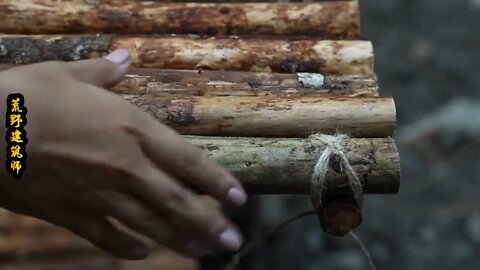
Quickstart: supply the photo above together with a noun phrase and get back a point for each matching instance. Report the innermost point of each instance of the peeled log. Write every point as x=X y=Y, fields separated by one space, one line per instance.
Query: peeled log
x=174 y=82
x=267 y=55
x=165 y=82
x=326 y=20
x=285 y=166
x=272 y=116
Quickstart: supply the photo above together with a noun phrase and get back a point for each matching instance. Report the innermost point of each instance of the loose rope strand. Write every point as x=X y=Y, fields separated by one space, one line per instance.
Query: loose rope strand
x=365 y=252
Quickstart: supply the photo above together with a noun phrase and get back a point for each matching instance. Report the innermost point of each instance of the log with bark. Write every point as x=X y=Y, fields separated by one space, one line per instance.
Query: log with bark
x=275 y=166
x=268 y=55
x=41 y=245
x=326 y=20
x=272 y=116
x=168 y=82
x=174 y=82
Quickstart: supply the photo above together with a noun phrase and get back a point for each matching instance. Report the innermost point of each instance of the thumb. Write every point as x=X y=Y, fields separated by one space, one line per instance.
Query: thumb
x=103 y=72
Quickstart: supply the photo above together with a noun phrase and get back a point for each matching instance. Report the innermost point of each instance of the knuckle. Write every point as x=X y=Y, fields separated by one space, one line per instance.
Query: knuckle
x=126 y=162
x=154 y=227
x=218 y=224
x=210 y=221
x=195 y=160
x=176 y=198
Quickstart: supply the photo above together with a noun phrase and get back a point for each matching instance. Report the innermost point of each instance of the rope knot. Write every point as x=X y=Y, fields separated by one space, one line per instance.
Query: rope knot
x=334 y=153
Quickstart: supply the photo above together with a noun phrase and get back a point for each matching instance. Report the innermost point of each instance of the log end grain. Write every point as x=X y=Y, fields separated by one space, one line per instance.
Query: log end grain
x=339 y=216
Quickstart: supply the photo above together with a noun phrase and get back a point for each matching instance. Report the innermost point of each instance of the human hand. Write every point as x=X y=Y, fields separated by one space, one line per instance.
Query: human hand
x=93 y=155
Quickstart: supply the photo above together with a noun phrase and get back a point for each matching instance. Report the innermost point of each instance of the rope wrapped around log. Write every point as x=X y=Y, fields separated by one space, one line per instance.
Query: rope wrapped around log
x=285 y=166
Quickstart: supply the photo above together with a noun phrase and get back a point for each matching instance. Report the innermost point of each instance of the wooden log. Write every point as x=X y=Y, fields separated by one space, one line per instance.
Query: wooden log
x=270 y=165
x=272 y=116
x=267 y=55
x=326 y=20
x=169 y=82
x=174 y=82
x=232 y=1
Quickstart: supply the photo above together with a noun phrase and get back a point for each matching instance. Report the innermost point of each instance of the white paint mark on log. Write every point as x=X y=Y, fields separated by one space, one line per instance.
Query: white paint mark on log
x=220 y=83
x=311 y=80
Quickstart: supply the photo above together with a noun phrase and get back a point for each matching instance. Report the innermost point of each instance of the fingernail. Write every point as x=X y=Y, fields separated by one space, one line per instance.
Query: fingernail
x=197 y=248
x=119 y=56
x=139 y=252
x=230 y=239
x=236 y=196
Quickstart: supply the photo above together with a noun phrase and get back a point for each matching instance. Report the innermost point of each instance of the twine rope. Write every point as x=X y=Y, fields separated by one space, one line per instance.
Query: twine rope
x=333 y=149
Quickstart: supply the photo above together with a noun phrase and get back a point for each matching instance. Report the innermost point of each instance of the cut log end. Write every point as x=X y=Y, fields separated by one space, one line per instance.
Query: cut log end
x=339 y=216
x=259 y=55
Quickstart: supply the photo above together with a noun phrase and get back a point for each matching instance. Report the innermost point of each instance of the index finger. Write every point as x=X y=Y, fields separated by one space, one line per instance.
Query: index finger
x=178 y=157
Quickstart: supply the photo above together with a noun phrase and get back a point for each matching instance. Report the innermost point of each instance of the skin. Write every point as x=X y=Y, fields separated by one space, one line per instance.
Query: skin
x=94 y=157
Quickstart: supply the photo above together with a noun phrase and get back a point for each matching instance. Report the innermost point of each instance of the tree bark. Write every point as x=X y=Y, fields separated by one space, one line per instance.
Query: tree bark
x=168 y=82
x=275 y=166
x=326 y=20
x=267 y=55
x=271 y=116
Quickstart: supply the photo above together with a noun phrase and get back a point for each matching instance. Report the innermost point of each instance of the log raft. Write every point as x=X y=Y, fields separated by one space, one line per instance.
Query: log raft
x=172 y=52
x=271 y=116
x=334 y=20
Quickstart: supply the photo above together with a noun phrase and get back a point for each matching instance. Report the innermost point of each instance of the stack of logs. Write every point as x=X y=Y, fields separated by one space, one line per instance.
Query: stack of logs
x=246 y=82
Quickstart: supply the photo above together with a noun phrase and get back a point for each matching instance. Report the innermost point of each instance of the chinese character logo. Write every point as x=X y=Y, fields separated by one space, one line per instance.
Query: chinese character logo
x=16 y=136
